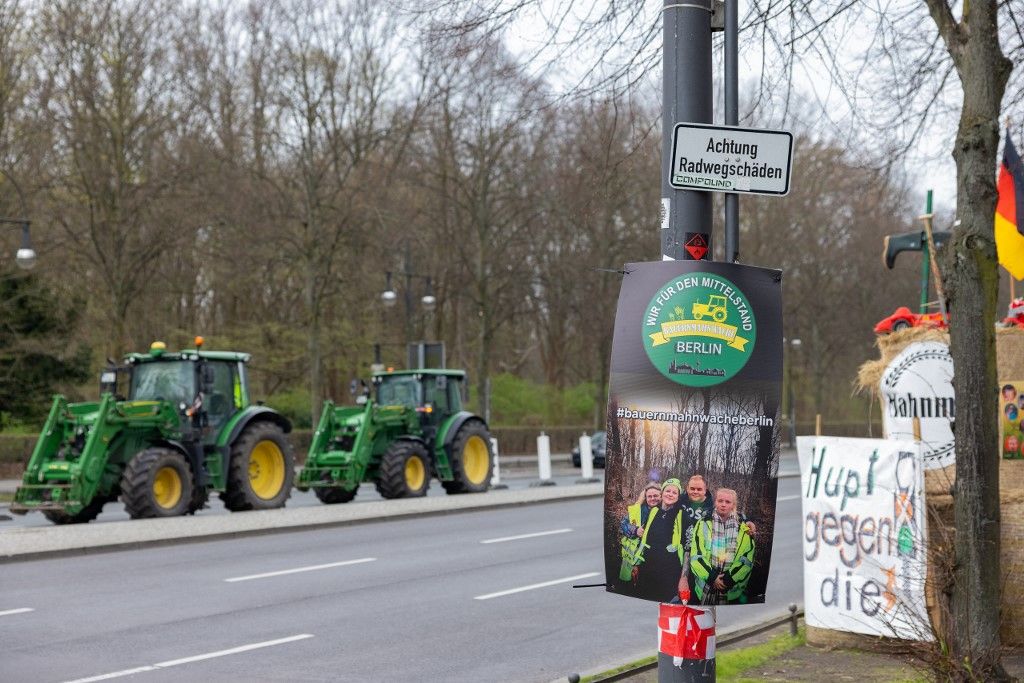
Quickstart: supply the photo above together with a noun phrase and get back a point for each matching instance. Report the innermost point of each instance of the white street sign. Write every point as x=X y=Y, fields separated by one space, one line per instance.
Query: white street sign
x=729 y=159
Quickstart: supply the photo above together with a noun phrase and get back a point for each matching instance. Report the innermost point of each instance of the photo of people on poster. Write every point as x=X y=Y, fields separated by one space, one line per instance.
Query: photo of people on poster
x=693 y=435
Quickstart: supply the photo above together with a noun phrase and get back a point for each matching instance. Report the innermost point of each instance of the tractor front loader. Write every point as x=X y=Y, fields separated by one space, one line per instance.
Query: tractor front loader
x=186 y=428
x=415 y=429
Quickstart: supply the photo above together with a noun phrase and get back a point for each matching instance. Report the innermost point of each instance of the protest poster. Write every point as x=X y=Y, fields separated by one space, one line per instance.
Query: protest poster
x=918 y=383
x=1011 y=419
x=693 y=408
x=865 y=531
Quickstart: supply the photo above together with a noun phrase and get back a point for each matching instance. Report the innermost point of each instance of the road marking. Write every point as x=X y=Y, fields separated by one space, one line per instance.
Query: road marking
x=520 y=536
x=19 y=610
x=298 y=570
x=535 y=585
x=787 y=498
x=197 y=658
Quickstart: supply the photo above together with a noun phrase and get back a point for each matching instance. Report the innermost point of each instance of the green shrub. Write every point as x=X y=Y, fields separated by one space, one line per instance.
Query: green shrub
x=519 y=401
x=293 y=404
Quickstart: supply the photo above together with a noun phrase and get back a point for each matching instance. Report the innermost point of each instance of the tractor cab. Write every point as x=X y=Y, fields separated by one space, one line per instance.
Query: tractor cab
x=434 y=394
x=208 y=386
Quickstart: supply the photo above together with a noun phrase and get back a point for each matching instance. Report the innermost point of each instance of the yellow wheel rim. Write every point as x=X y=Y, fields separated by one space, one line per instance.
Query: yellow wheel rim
x=266 y=469
x=415 y=473
x=167 y=487
x=475 y=460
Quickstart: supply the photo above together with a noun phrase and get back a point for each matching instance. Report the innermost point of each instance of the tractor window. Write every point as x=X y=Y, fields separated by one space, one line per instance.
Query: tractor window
x=454 y=394
x=219 y=404
x=173 y=381
x=436 y=394
x=399 y=390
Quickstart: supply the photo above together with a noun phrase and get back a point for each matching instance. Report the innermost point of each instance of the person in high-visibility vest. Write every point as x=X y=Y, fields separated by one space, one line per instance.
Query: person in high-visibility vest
x=632 y=528
x=722 y=554
x=661 y=575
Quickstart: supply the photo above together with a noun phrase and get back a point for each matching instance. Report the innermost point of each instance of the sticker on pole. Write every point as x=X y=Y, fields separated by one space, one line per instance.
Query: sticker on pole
x=696 y=245
x=729 y=159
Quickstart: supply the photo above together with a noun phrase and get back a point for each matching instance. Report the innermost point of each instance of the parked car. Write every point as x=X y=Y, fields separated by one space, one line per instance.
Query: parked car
x=903 y=318
x=597 y=444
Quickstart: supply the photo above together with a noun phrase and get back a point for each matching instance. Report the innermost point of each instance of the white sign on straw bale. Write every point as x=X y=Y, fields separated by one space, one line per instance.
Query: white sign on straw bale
x=919 y=383
x=865 y=555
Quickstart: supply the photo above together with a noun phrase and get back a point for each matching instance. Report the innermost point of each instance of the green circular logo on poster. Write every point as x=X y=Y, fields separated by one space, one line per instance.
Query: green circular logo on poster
x=699 y=330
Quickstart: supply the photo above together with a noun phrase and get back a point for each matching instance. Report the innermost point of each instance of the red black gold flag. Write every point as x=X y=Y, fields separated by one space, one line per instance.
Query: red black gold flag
x=1010 y=211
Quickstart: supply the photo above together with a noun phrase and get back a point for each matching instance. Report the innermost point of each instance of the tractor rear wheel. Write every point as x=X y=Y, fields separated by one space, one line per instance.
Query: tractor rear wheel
x=157 y=483
x=86 y=514
x=334 y=494
x=404 y=471
x=471 y=460
x=261 y=469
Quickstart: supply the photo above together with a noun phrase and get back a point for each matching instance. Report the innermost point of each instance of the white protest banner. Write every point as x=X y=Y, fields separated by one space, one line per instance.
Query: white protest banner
x=864 y=526
x=919 y=383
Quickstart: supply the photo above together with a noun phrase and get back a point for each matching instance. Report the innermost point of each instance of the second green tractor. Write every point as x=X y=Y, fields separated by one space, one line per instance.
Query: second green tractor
x=413 y=427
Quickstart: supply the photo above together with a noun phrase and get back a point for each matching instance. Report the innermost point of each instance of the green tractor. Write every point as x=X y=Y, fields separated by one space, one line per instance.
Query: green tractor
x=186 y=427
x=414 y=429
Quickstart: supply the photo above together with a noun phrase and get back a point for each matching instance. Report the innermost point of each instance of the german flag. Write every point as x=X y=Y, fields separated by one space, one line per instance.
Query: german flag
x=1010 y=211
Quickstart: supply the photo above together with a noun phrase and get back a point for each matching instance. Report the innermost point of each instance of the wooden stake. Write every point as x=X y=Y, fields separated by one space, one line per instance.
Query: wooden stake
x=917 y=428
x=817 y=424
x=939 y=290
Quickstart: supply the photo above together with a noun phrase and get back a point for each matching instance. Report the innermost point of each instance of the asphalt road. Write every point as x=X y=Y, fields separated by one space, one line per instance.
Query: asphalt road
x=453 y=597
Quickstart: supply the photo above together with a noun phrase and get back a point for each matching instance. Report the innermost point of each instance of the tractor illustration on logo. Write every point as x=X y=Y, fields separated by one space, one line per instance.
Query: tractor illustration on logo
x=715 y=308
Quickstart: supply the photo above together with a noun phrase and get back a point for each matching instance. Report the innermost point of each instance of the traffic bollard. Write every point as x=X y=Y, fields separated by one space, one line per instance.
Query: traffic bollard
x=586 y=461
x=543 y=461
x=496 y=476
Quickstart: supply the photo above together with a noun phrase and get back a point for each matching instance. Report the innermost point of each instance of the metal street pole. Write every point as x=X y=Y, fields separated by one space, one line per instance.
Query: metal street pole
x=686 y=214
x=686 y=79
x=732 y=118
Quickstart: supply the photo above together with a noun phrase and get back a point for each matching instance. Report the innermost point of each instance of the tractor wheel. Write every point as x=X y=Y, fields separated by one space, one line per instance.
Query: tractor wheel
x=334 y=494
x=157 y=483
x=471 y=460
x=404 y=471
x=261 y=470
x=719 y=315
x=86 y=514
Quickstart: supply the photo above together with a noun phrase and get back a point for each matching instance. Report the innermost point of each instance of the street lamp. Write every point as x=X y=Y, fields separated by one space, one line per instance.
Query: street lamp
x=389 y=298
x=26 y=255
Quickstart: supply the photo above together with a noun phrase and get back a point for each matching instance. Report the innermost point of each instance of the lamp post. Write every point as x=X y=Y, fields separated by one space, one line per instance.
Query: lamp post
x=795 y=345
x=25 y=257
x=389 y=298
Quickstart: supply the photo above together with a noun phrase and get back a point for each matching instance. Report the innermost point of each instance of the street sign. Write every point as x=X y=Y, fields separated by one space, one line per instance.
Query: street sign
x=730 y=159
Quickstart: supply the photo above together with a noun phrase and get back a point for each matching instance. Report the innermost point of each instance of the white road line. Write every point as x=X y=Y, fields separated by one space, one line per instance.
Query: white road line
x=533 y=586
x=20 y=610
x=787 y=498
x=520 y=536
x=298 y=570
x=197 y=658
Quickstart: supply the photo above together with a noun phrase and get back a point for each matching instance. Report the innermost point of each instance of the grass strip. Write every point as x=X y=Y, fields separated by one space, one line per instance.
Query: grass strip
x=730 y=664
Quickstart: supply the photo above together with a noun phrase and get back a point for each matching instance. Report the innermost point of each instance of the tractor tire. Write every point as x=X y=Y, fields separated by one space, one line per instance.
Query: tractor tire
x=261 y=469
x=404 y=471
x=718 y=316
x=332 y=495
x=86 y=514
x=158 y=482
x=472 y=464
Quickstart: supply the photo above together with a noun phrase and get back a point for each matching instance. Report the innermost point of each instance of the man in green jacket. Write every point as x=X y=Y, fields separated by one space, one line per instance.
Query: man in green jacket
x=722 y=554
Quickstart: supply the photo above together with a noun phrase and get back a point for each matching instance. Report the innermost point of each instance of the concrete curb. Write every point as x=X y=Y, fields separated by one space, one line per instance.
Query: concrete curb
x=28 y=543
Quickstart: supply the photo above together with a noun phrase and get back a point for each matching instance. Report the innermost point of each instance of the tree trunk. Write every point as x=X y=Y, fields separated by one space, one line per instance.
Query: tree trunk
x=972 y=279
